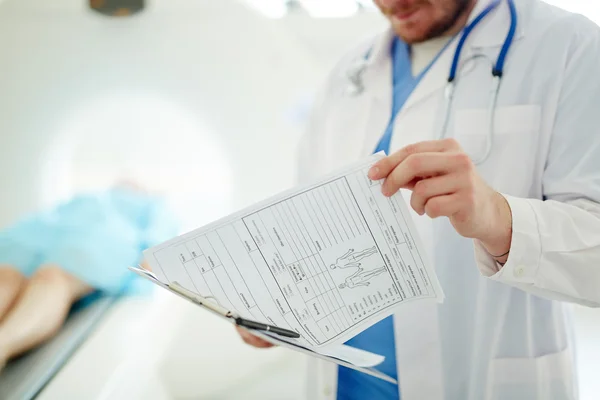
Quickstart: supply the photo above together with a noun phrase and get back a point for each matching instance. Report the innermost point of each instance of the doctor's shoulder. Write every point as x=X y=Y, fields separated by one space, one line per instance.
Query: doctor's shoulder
x=558 y=31
x=352 y=57
x=336 y=78
x=311 y=151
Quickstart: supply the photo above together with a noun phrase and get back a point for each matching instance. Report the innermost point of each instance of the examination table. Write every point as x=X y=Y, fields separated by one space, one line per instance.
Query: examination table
x=109 y=348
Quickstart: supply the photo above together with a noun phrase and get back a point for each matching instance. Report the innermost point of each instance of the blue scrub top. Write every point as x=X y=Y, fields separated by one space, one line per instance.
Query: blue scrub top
x=379 y=338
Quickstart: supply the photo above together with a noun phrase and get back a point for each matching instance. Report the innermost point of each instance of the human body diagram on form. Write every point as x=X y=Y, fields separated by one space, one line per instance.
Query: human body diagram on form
x=361 y=278
x=351 y=259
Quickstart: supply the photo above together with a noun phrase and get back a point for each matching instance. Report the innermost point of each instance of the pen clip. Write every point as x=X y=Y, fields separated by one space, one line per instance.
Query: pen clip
x=147 y=272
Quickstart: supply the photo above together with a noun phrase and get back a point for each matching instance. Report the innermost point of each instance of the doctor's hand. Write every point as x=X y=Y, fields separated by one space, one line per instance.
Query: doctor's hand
x=445 y=183
x=252 y=340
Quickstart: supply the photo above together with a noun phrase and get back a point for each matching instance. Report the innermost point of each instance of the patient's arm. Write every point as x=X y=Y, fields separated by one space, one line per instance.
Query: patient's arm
x=39 y=310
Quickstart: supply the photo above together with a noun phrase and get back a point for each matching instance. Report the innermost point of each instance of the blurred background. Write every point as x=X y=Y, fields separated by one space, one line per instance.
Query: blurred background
x=203 y=101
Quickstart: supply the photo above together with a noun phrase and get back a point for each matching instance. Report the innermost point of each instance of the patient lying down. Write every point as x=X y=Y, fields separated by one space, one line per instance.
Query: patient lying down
x=51 y=260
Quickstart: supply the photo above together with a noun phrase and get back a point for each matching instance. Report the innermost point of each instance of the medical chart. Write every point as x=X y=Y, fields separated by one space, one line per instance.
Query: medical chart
x=326 y=260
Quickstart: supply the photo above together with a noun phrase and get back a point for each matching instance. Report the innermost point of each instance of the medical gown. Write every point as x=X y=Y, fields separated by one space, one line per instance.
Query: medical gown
x=94 y=237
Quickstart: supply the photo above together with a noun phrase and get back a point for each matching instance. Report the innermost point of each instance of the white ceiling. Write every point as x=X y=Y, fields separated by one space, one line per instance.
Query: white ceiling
x=321 y=37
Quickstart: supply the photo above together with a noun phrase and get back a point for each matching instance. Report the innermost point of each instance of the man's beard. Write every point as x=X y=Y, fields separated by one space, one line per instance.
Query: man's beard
x=443 y=26
x=440 y=27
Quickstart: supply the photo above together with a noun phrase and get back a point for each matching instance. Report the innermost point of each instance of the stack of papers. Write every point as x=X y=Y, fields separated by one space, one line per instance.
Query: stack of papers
x=326 y=260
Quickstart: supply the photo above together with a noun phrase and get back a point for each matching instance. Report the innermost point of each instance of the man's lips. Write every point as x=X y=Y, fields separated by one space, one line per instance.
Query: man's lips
x=404 y=15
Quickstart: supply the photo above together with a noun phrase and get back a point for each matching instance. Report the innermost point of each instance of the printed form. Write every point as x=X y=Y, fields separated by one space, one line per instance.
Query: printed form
x=327 y=260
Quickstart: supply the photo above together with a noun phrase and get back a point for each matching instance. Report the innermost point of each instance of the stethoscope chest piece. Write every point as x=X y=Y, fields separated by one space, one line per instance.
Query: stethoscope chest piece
x=355 y=77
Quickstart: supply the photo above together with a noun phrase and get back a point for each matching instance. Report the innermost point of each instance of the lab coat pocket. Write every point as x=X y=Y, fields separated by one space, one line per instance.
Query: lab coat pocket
x=508 y=155
x=548 y=377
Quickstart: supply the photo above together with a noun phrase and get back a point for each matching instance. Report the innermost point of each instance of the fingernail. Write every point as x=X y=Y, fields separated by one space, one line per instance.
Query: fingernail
x=373 y=172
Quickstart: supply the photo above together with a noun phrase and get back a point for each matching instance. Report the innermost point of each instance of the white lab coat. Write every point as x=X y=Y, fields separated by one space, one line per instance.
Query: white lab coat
x=498 y=335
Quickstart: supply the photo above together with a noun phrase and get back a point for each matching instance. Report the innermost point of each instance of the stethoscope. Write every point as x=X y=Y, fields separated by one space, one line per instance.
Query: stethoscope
x=356 y=86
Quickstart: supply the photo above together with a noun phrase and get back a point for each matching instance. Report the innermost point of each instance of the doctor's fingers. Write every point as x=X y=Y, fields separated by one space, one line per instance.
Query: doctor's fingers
x=426 y=189
x=383 y=167
x=444 y=206
x=252 y=340
x=423 y=165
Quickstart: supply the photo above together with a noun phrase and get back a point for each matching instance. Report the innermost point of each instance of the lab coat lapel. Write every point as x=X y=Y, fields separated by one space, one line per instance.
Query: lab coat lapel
x=434 y=80
x=377 y=106
x=360 y=122
x=354 y=120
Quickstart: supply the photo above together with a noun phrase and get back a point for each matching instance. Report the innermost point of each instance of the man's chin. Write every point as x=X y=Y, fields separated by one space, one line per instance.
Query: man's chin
x=411 y=38
x=410 y=34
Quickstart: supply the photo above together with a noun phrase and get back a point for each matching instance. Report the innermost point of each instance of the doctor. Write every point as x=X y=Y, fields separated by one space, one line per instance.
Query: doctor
x=490 y=113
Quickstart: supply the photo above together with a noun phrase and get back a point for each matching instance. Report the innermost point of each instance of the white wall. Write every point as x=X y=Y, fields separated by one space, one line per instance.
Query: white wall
x=235 y=73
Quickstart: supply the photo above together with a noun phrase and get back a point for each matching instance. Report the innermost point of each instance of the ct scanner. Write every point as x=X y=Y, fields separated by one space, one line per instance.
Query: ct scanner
x=120 y=342
x=107 y=337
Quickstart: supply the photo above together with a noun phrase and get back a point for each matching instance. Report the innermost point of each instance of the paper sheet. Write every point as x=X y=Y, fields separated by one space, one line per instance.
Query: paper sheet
x=351 y=357
x=344 y=355
x=326 y=260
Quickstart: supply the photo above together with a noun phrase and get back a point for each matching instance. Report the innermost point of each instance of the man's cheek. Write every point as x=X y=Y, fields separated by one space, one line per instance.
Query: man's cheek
x=385 y=6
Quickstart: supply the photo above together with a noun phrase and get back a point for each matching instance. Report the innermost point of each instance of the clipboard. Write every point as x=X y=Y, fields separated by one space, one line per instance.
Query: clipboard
x=216 y=308
x=269 y=336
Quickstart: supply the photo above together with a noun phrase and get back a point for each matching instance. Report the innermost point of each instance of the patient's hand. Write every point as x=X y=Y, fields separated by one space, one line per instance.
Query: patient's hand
x=252 y=340
x=144 y=264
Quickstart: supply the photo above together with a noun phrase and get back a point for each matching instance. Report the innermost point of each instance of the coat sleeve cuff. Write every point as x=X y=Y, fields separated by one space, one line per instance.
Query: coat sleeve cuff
x=523 y=261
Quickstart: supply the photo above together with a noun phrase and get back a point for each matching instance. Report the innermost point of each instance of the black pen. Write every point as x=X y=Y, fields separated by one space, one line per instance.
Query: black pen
x=245 y=323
